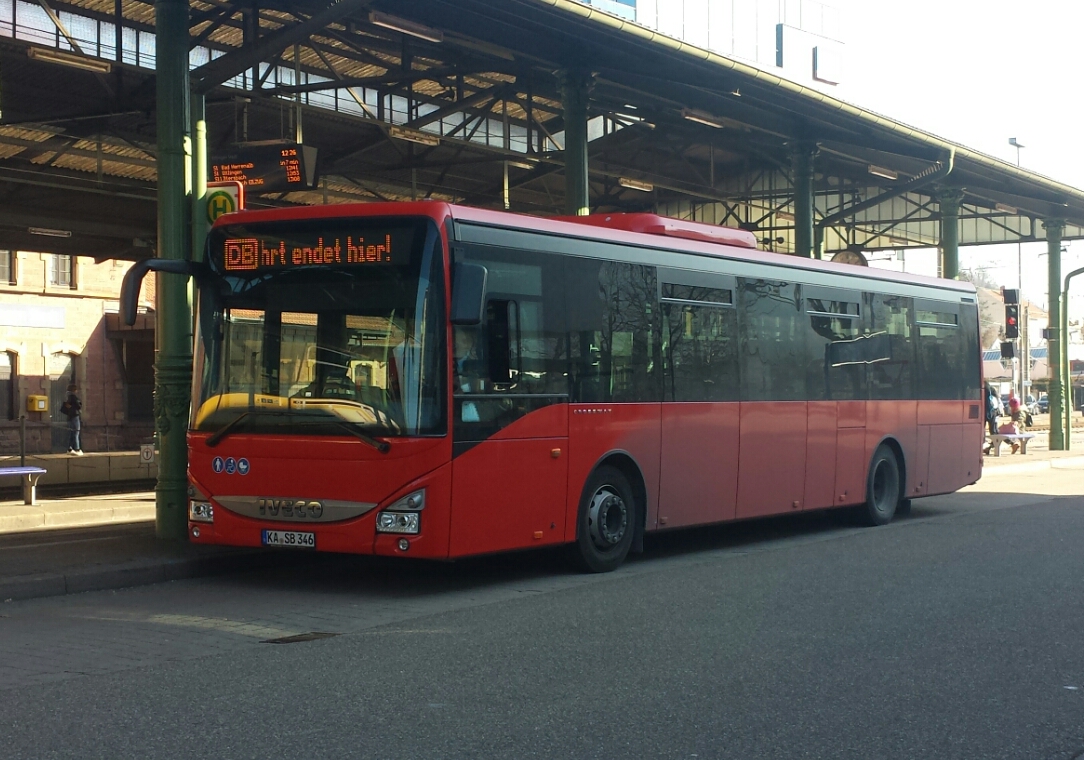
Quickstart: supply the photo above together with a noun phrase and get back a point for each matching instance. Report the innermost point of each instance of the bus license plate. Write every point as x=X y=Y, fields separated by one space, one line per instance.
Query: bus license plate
x=289 y=539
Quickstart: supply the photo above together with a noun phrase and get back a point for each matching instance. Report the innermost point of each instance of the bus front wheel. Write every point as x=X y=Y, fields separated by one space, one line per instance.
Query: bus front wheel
x=882 y=488
x=606 y=522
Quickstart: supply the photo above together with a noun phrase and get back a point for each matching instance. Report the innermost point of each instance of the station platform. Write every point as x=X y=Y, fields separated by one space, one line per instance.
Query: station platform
x=88 y=543
x=68 y=474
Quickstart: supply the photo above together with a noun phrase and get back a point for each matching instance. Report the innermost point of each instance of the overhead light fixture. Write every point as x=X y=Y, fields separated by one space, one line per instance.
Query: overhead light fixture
x=481 y=47
x=412 y=28
x=880 y=171
x=1005 y=208
x=635 y=184
x=413 y=135
x=521 y=164
x=702 y=117
x=784 y=216
x=634 y=120
x=48 y=232
x=74 y=60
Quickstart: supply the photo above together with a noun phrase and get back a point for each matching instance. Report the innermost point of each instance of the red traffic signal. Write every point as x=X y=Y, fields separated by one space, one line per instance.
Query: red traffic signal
x=1012 y=321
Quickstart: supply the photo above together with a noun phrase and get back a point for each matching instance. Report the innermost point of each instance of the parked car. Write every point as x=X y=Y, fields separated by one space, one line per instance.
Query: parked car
x=1043 y=405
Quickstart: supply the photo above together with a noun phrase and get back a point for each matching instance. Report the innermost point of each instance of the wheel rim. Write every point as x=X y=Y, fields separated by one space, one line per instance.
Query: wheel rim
x=884 y=486
x=607 y=518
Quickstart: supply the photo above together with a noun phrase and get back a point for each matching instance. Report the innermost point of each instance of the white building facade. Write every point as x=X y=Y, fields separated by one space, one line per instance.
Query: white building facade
x=797 y=39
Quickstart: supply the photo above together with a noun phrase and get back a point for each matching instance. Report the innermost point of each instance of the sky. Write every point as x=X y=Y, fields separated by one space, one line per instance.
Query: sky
x=978 y=72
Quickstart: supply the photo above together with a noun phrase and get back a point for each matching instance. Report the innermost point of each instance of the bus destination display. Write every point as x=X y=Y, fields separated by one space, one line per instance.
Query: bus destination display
x=268 y=167
x=240 y=254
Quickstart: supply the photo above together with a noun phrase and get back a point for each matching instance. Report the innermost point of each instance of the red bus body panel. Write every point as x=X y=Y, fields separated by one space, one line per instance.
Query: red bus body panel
x=595 y=430
x=329 y=468
x=508 y=491
x=700 y=454
x=771 y=474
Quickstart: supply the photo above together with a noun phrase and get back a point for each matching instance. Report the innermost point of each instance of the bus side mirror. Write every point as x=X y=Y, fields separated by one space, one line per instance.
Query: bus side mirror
x=133 y=280
x=468 y=293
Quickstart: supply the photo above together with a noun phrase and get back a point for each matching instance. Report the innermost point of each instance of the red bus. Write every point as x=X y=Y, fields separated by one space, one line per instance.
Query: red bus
x=428 y=380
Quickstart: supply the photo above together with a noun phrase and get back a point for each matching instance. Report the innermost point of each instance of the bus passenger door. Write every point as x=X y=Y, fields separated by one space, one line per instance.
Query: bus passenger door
x=774 y=415
x=510 y=411
x=700 y=449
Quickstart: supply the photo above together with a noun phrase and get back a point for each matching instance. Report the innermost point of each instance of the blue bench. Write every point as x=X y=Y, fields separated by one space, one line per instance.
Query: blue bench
x=30 y=477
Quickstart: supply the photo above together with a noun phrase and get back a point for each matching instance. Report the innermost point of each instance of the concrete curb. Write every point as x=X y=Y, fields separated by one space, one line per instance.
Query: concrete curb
x=1061 y=463
x=24 y=518
x=135 y=573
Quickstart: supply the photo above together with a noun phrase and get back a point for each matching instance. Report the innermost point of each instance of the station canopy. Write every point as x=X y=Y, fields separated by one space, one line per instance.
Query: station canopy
x=461 y=100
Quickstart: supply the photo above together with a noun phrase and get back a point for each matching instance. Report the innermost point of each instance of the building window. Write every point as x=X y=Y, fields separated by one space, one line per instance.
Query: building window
x=8 y=385
x=61 y=270
x=7 y=267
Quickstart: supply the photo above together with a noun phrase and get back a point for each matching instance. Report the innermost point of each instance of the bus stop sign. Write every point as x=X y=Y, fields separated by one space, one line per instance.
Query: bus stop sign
x=224 y=198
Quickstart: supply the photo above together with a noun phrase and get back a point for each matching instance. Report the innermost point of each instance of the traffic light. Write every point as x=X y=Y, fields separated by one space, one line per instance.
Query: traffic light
x=1012 y=320
x=1011 y=295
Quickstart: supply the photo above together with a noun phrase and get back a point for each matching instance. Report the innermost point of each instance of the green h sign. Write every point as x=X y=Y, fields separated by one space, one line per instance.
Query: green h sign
x=220 y=202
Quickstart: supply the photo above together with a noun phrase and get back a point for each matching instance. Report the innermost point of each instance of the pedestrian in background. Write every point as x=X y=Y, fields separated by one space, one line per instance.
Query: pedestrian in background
x=1018 y=417
x=993 y=411
x=72 y=408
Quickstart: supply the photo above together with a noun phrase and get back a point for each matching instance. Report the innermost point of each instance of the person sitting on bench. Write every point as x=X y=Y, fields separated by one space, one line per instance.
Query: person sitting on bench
x=1018 y=423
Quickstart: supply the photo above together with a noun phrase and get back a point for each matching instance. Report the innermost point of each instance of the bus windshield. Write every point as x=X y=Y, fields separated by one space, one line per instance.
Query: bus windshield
x=322 y=327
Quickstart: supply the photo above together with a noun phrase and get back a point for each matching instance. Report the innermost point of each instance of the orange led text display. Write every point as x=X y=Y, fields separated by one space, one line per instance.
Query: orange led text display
x=249 y=253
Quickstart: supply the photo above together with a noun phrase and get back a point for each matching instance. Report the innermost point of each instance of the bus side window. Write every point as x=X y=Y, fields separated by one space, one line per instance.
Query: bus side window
x=892 y=367
x=774 y=344
x=615 y=344
x=521 y=343
x=502 y=341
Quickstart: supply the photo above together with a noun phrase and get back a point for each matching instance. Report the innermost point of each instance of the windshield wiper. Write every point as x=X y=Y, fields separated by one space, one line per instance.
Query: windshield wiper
x=223 y=431
x=382 y=446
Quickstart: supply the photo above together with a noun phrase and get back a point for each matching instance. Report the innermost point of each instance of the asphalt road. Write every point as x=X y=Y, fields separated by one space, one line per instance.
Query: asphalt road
x=957 y=632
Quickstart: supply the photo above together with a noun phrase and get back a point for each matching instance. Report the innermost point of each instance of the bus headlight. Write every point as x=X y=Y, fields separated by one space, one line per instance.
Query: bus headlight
x=398 y=522
x=403 y=516
x=201 y=511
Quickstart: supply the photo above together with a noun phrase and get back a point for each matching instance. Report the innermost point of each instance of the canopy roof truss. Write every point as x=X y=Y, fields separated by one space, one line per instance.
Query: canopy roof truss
x=483 y=88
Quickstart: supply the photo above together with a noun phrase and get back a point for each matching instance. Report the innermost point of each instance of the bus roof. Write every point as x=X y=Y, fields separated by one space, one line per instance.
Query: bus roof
x=653 y=224
x=618 y=233
x=639 y=229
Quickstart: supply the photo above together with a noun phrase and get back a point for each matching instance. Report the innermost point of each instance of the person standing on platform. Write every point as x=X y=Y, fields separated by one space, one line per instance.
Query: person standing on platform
x=72 y=408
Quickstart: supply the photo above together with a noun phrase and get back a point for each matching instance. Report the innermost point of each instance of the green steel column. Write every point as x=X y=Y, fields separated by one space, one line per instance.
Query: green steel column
x=802 y=158
x=575 y=88
x=173 y=366
x=949 y=200
x=1066 y=367
x=1054 y=228
x=200 y=222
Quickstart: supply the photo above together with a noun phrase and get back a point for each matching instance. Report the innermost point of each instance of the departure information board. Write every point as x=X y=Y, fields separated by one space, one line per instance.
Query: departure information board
x=267 y=167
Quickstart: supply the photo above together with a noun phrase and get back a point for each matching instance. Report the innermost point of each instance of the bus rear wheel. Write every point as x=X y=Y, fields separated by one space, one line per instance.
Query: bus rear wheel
x=606 y=522
x=882 y=488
